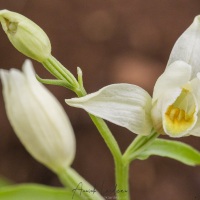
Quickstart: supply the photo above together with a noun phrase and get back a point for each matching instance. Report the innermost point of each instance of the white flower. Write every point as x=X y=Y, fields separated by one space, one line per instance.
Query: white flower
x=174 y=107
x=26 y=36
x=38 y=119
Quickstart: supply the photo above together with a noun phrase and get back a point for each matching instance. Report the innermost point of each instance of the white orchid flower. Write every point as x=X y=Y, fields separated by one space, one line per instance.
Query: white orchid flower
x=174 y=107
x=37 y=118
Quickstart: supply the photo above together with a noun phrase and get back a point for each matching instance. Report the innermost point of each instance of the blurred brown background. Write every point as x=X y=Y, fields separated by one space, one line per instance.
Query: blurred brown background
x=112 y=41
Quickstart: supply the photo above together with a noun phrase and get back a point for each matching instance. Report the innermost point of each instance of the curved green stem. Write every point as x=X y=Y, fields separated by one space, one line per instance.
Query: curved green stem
x=121 y=169
x=107 y=136
x=139 y=145
x=79 y=186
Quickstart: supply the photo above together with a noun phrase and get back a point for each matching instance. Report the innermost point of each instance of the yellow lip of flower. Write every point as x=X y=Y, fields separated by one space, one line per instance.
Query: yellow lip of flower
x=181 y=115
x=177 y=120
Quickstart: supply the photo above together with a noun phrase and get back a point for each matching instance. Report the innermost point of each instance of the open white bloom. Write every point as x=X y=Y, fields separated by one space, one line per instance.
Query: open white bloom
x=37 y=118
x=174 y=107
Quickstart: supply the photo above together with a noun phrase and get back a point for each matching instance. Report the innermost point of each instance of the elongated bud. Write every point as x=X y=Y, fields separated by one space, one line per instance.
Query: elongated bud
x=26 y=36
x=38 y=119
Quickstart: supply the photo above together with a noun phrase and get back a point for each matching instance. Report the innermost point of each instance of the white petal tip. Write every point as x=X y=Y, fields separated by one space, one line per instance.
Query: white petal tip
x=3 y=12
x=197 y=19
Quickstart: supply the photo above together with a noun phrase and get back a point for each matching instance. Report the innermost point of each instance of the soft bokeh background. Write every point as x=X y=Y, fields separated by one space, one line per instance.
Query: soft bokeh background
x=112 y=41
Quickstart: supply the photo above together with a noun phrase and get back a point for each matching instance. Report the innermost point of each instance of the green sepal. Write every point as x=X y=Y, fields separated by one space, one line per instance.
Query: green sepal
x=35 y=192
x=172 y=149
x=56 y=82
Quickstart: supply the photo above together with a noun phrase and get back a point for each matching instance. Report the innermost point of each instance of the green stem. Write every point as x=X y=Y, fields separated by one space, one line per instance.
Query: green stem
x=69 y=76
x=79 y=186
x=107 y=136
x=122 y=180
x=49 y=67
x=60 y=72
x=139 y=145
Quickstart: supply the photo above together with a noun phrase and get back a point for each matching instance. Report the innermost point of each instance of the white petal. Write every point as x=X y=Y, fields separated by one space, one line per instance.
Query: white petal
x=175 y=75
x=46 y=99
x=196 y=130
x=123 y=104
x=187 y=47
x=195 y=84
x=6 y=82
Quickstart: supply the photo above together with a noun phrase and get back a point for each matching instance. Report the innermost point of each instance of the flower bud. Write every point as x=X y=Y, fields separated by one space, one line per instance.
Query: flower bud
x=26 y=36
x=38 y=119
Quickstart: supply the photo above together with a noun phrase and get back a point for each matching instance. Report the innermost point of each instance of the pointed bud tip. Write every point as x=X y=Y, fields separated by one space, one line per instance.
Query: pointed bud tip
x=79 y=71
x=4 y=11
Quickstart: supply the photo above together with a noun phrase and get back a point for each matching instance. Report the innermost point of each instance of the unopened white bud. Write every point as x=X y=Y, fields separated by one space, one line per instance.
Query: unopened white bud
x=38 y=119
x=26 y=36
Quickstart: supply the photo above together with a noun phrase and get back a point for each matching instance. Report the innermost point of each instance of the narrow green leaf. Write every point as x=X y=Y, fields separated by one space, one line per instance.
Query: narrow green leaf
x=35 y=192
x=172 y=149
x=56 y=82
